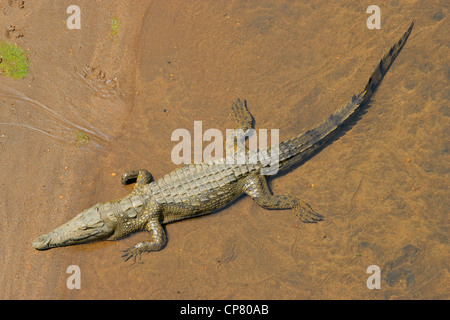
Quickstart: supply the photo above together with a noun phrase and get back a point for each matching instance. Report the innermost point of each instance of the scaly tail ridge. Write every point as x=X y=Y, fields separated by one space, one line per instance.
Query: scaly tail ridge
x=384 y=65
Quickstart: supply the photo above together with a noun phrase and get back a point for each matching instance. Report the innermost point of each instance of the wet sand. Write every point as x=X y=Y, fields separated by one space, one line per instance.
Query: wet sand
x=382 y=187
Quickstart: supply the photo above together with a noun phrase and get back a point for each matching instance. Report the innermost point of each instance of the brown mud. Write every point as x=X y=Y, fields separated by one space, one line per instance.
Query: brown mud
x=382 y=187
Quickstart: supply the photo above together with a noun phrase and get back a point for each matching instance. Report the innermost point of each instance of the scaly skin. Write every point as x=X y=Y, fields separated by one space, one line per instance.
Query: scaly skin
x=198 y=189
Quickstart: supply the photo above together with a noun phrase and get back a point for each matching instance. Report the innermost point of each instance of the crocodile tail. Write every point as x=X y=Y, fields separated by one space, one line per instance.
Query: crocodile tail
x=384 y=65
x=295 y=150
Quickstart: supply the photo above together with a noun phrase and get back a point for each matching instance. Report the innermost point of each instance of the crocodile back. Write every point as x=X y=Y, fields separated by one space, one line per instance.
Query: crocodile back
x=201 y=187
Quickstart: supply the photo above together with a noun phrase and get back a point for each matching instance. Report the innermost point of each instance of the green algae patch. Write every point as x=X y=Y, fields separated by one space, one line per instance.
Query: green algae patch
x=114 y=28
x=13 y=61
x=82 y=138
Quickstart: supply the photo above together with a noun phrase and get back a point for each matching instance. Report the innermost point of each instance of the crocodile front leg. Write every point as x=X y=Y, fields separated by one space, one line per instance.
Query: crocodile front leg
x=142 y=177
x=242 y=117
x=158 y=242
x=256 y=187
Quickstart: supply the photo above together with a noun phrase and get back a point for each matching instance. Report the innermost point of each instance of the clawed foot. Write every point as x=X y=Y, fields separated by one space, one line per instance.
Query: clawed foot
x=243 y=117
x=141 y=177
x=132 y=252
x=306 y=214
x=129 y=177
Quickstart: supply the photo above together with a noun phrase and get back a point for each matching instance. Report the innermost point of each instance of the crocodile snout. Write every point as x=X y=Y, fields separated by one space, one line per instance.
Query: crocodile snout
x=41 y=243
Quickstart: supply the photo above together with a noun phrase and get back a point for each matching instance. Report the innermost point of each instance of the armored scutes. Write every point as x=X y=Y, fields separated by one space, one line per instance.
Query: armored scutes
x=198 y=189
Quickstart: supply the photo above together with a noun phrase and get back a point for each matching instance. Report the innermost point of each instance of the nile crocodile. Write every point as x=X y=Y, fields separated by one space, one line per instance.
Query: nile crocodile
x=202 y=188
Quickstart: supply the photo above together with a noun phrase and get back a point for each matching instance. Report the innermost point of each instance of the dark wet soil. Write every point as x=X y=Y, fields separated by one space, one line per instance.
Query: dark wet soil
x=383 y=186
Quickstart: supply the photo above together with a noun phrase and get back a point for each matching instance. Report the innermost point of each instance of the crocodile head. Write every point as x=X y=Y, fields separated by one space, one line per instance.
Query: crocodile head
x=89 y=226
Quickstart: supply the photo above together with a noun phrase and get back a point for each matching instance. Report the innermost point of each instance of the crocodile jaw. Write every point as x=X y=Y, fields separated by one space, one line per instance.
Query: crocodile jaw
x=88 y=226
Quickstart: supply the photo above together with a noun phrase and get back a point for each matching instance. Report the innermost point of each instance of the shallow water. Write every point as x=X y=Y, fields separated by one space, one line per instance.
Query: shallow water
x=382 y=187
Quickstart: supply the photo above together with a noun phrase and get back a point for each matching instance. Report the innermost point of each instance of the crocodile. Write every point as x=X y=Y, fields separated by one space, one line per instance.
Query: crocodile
x=201 y=188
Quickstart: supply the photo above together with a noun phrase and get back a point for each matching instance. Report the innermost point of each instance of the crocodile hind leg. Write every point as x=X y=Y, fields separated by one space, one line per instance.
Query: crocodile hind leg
x=244 y=122
x=141 y=177
x=158 y=242
x=256 y=187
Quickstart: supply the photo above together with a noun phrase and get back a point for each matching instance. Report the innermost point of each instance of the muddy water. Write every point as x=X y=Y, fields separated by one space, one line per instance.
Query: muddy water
x=383 y=186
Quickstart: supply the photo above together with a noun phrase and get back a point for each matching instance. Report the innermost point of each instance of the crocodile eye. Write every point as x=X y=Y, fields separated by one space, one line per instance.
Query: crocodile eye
x=83 y=227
